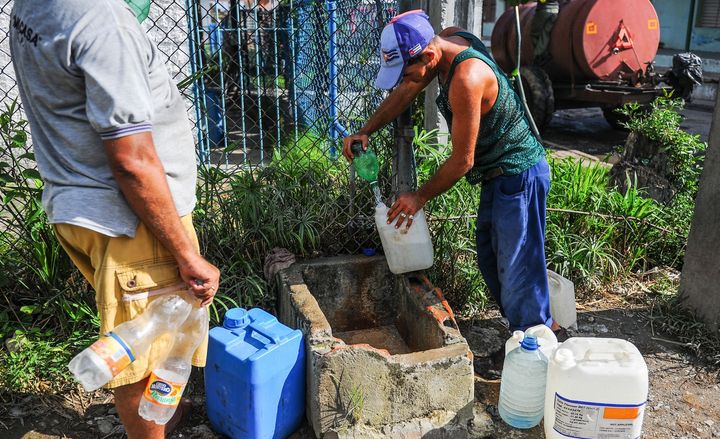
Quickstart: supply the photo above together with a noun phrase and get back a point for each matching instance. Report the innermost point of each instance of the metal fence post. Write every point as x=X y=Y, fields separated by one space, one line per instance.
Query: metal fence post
x=405 y=177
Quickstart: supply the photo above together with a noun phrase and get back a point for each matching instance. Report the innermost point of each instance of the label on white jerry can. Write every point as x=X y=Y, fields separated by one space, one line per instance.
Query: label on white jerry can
x=593 y=420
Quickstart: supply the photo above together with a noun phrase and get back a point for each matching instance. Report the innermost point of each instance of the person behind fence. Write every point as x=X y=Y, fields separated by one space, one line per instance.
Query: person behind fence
x=492 y=146
x=116 y=155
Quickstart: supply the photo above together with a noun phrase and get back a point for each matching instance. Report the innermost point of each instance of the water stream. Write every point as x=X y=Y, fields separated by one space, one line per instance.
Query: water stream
x=376 y=191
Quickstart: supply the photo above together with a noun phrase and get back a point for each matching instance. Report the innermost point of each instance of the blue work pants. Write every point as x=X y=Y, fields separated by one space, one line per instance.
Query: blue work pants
x=510 y=239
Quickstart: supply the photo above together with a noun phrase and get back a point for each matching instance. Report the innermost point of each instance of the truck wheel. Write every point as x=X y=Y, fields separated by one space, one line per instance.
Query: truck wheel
x=616 y=120
x=539 y=95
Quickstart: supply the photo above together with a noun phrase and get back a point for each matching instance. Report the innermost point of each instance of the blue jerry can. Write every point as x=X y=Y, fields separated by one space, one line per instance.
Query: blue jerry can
x=255 y=376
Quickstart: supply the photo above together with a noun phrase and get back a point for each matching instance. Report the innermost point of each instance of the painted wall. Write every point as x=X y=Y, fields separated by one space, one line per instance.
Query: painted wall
x=673 y=15
x=705 y=39
x=488 y=27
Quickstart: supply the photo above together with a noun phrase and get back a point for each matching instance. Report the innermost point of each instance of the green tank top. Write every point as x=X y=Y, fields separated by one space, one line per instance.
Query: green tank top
x=505 y=139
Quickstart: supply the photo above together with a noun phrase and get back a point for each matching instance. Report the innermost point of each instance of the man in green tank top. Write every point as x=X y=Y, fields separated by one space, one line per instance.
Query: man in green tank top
x=492 y=145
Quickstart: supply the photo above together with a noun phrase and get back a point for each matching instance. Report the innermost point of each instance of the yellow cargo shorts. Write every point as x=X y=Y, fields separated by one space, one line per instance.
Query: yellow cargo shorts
x=127 y=274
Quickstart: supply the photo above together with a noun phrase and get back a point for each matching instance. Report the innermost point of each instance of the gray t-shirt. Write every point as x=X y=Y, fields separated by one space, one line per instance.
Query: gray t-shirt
x=87 y=72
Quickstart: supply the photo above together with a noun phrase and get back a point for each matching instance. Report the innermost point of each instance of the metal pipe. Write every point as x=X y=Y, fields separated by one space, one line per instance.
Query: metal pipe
x=518 y=77
x=292 y=40
x=277 y=78
x=691 y=22
x=405 y=175
x=202 y=121
x=241 y=76
x=192 y=41
x=332 y=70
x=259 y=79
x=221 y=66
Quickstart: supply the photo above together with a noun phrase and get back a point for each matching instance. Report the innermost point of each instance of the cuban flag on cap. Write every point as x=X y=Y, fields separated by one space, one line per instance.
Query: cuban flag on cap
x=403 y=38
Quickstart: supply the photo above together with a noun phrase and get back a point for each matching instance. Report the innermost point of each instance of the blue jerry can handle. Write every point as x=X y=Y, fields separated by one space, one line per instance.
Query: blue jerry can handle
x=271 y=335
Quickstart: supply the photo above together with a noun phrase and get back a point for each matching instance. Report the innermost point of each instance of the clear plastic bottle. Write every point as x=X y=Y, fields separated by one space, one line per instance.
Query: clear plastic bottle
x=112 y=353
x=522 y=388
x=167 y=382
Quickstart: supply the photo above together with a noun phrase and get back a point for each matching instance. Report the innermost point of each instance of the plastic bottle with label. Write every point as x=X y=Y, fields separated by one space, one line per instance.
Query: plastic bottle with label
x=522 y=387
x=596 y=388
x=112 y=353
x=167 y=382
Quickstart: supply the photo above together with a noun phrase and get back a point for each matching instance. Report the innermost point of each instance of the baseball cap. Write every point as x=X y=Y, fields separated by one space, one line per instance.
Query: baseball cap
x=402 y=39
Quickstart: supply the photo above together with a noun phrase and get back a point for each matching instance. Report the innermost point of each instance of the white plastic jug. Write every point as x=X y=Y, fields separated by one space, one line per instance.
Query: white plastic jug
x=596 y=388
x=562 y=300
x=406 y=249
x=545 y=338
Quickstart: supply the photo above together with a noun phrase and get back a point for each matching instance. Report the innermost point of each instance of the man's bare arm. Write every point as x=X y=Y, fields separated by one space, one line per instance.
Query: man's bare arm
x=388 y=110
x=141 y=178
x=393 y=105
x=466 y=94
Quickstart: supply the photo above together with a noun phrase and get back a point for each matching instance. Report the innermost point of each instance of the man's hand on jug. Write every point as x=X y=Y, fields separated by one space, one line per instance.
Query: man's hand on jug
x=404 y=208
x=348 y=141
x=202 y=277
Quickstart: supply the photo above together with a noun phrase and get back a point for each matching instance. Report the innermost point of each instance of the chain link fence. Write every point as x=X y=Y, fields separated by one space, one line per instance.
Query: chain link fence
x=277 y=85
x=272 y=87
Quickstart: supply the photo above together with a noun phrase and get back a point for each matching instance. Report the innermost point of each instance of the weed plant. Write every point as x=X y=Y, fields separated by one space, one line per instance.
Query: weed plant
x=661 y=125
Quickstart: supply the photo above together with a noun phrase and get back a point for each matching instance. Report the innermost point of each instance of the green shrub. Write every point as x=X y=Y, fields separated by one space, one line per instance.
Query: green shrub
x=661 y=125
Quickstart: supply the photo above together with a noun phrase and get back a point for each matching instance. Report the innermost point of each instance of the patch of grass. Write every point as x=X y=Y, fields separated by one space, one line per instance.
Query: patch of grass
x=36 y=361
x=667 y=315
x=45 y=301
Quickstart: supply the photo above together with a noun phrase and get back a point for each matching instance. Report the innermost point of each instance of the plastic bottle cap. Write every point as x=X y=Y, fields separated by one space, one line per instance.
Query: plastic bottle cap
x=529 y=343
x=356 y=148
x=368 y=251
x=236 y=318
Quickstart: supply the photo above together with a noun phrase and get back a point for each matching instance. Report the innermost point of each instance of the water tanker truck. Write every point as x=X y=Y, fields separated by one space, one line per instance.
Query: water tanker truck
x=600 y=54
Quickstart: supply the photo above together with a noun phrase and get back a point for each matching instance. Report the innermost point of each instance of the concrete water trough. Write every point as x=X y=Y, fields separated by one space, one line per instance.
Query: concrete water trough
x=385 y=357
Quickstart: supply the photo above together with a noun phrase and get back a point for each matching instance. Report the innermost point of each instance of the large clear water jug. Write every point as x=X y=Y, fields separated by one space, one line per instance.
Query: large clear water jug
x=522 y=386
x=605 y=381
x=406 y=249
x=255 y=376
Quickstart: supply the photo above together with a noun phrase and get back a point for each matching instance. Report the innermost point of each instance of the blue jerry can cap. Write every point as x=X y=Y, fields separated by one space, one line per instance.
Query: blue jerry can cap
x=236 y=318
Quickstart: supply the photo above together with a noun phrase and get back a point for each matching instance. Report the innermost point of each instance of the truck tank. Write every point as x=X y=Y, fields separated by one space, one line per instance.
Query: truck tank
x=607 y=40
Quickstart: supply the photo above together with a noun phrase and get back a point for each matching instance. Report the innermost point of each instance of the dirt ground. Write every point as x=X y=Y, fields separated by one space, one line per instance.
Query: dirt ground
x=684 y=393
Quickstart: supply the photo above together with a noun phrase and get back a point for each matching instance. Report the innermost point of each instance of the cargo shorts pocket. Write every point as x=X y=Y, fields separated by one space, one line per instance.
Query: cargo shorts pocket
x=141 y=284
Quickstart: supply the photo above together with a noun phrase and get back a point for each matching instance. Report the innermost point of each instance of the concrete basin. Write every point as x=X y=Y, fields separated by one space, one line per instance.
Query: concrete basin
x=385 y=357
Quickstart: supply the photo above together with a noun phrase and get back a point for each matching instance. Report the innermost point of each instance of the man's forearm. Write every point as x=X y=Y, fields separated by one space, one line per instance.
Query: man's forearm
x=390 y=108
x=446 y=176
x=142 y=181
x=148 y=195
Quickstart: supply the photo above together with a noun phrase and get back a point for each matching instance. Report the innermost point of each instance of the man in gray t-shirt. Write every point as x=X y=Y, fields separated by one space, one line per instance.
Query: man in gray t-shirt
x=116 y=155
